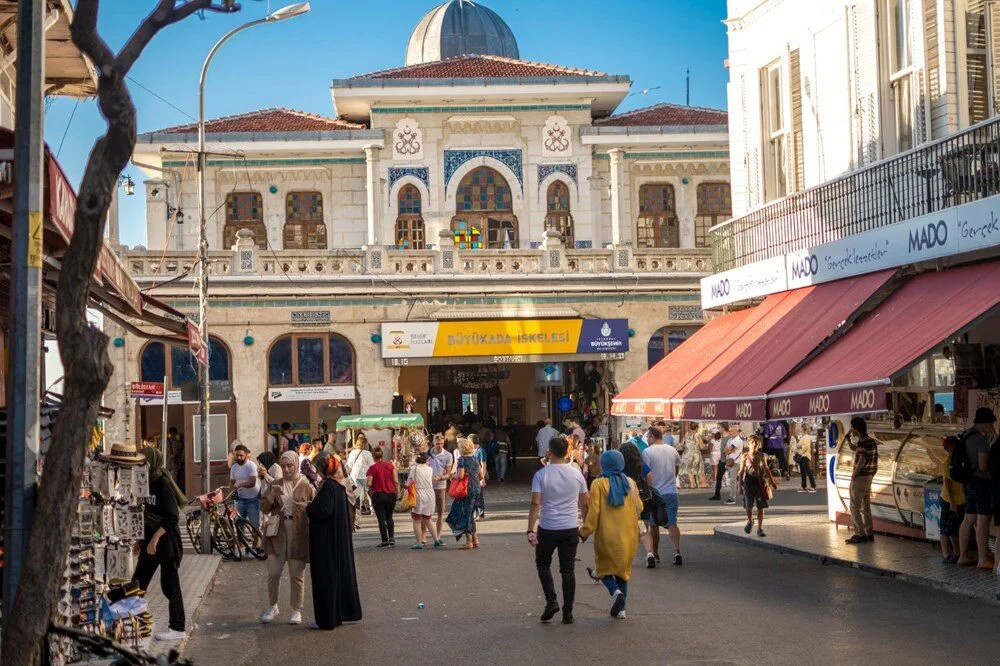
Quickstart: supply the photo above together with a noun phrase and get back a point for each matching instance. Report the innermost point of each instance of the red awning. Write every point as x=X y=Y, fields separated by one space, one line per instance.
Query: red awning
x=786 y=328
x=852 y=374
x=650 y=394
x=725 y=370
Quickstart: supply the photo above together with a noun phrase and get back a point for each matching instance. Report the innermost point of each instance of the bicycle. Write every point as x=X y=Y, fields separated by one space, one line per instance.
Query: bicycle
x=86 y=647
x=232 y=535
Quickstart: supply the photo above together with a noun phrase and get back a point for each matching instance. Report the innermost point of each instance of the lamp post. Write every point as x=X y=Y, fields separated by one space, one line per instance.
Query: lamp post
x=203 y=378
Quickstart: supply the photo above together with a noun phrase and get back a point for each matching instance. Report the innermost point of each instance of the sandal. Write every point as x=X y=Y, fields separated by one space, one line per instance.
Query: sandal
x=467 y=546
x=475 y=542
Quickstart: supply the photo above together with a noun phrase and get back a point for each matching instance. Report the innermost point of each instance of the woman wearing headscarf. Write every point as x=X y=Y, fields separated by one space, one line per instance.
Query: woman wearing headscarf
x=331 y=551
x=268 y=470
x=286 y=535
x=161 y=547
x=613 y=519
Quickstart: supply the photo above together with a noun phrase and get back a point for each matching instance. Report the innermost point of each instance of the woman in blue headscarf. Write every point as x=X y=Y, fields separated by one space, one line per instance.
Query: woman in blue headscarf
x=613 y=519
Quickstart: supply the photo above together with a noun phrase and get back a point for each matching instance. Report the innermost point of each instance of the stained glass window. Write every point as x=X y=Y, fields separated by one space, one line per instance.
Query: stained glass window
x=341 y=360
x=657 y=224
x=183 y=366
x=484 y=201
x=409 y=223
x=715 y=206
x=558 y=216
x=244 y=210
x=153 y=363
x=279 y=363
x=310 y=360
x=304 y=227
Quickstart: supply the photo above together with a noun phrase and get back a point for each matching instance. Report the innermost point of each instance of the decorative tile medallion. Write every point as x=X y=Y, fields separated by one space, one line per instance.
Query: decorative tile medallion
x=454 y=159
x=420 y=173
x=546 y=170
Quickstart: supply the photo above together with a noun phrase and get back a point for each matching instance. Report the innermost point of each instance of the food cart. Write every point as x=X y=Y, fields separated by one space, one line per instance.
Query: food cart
x=393 y=433
x=906 y=492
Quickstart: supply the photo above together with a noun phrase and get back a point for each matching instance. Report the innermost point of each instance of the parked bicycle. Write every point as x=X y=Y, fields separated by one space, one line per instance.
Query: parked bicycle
x=87 y=647
x=233 y=536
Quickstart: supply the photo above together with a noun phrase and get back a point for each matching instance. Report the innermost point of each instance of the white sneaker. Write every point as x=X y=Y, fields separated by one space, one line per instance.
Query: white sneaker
x=269 y=615
x=621 y=615
x=171 y=635
x=296 y=618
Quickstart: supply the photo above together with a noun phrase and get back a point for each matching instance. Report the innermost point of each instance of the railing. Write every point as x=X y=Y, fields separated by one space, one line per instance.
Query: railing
x=961 y=168
x=173 y=264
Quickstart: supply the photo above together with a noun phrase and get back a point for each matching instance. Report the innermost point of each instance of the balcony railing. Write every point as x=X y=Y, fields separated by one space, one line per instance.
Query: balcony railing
x=960 y=168
x=317 y=264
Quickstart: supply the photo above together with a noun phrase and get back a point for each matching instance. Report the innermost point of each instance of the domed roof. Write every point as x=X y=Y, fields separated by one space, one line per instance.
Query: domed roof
x=457 y=28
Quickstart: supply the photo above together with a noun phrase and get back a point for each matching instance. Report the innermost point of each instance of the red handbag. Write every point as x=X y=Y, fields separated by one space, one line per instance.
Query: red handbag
x=459 y=488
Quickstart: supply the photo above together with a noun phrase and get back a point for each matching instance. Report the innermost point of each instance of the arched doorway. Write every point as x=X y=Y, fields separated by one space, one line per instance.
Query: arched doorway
x=175 y=365
x=311 y=381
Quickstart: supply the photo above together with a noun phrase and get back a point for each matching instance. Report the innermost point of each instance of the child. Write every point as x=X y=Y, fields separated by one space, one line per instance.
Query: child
x=952 y=507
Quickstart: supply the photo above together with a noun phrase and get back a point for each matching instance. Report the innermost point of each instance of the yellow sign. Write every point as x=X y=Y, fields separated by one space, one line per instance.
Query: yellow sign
x=511 y=336
x=35 y=227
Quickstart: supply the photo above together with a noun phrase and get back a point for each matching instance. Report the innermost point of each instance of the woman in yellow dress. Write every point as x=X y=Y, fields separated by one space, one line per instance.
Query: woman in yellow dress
x=613 y=517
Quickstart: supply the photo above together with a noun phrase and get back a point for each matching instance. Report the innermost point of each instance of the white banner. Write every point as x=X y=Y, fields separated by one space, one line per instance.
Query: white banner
x=965 y=228
x=305 y=393
x=757 y=279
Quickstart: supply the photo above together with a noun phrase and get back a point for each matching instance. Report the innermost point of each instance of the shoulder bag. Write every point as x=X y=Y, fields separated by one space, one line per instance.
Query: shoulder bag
x=459 y=488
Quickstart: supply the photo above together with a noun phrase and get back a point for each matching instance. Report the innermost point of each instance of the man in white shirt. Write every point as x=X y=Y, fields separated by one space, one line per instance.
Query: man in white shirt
x=558 y=493
x=660 y=464
x=733 y=451
x=440 y=460
x=243 y=477
x=544 y=436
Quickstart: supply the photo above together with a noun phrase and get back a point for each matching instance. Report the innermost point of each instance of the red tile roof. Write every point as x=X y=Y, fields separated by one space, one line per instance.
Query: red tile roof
x=666 y=114
x=267 y=120
x=477 y=66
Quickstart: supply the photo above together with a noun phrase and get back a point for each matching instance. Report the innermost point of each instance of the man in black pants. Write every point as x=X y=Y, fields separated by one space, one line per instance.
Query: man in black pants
x=557 y=492
x=720 y=440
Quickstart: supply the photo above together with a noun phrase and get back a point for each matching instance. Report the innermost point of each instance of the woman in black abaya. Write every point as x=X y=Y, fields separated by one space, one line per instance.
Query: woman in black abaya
x=331 y=551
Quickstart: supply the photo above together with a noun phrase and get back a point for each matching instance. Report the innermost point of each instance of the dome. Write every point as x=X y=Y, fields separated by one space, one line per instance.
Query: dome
x=457 y=28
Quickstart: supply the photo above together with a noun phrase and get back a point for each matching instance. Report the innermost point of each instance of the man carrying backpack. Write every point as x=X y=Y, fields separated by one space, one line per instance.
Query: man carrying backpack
x=970 y=465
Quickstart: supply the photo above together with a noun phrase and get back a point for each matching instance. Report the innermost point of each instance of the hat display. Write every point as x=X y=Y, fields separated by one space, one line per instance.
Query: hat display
x=984 y=415
x=124 y=453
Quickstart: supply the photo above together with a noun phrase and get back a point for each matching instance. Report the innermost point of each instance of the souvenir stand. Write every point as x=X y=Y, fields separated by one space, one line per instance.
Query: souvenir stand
x=96 y=594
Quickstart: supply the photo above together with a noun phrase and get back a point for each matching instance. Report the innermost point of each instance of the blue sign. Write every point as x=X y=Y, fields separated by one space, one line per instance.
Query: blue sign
x=564 y=404
x=603 y=336
x=550 y=369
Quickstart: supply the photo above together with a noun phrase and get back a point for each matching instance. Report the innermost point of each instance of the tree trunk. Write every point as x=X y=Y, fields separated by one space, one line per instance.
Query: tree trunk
x=82 y=348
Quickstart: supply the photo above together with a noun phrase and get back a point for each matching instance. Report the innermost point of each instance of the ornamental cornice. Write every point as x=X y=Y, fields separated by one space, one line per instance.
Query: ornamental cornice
x=481 y=124
x=264 y=176
x=680 y=168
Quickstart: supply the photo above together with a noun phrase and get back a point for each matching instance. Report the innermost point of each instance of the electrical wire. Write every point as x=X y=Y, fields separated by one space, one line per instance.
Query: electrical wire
x=66 y=131
x=165 y=101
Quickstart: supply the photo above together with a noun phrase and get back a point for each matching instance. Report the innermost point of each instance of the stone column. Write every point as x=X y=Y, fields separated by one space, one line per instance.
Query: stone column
x=446 y=258
x=156 y=213
x=374 y=200
x=617 y=183
x=553 y=252
x=244 y=254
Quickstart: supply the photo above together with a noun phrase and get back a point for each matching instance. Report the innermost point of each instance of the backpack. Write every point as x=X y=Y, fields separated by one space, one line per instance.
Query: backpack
x=960 y=467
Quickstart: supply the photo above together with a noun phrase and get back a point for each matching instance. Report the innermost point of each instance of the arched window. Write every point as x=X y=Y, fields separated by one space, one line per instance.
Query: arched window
x=484 y=214
x=244 y=210
x=310 y=359
x=182 y=367
x=715 y=205
x=410 y=220
x=657 y=225
x=558 y=216
x=304 y=227
x=664 y=341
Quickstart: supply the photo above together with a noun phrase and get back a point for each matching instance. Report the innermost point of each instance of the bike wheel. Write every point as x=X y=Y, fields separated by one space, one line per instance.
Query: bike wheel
x=250 y=538
x=223 y=541
x=193 y=526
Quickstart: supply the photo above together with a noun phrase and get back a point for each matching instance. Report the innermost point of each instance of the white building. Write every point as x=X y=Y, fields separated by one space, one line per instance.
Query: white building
x=464 y=196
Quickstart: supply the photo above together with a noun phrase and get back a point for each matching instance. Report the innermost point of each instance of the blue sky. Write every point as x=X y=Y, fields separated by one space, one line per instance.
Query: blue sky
x=291 y=63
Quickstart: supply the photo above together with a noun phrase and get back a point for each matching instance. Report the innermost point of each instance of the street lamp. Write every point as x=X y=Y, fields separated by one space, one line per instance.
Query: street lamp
x=203 y=395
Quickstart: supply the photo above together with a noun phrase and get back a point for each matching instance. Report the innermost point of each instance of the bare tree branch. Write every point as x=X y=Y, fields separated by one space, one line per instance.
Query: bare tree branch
x=84 y=33
x=166 y=13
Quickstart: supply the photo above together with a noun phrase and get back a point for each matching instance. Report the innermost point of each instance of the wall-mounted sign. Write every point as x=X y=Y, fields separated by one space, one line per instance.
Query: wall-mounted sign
x=305 y=393
x=504 y=337
x=758 y=279
x=146 y=389
x=311 y=317
x=965 y=228
x=685 y=313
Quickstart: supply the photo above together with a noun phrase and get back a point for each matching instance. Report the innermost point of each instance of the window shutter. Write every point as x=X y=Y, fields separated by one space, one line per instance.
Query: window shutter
x=993 y=54
x=864 y=44
x=797 y=172
x=918 y=83
x=976 y=61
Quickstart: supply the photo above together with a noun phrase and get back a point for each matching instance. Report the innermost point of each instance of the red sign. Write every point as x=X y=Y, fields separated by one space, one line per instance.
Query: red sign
x=60 y=204
x=146 y=389
x=195 y=343
x=118 y=278
x=859 y=400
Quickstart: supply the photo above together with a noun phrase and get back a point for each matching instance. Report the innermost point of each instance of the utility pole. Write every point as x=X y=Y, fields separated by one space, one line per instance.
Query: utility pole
x=23 y=399
x=687 y=87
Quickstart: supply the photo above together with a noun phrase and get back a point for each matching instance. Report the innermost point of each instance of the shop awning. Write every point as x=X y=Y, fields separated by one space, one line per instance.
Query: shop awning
x=852 y=374
x=381 y=421
x=725 y=370
x=784 y=330
x=650 y=394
